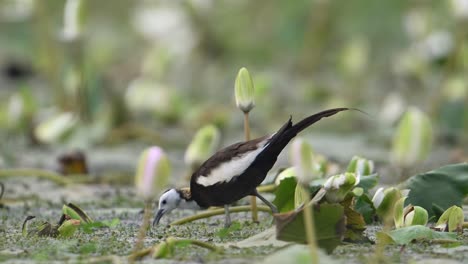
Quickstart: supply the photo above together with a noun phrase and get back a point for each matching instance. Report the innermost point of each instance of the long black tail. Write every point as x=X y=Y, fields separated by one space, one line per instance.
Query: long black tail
x=288 y=131
x=306 y=122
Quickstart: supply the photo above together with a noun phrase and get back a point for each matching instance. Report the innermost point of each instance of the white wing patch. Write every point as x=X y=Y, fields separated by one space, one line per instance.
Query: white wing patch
x=232 y=168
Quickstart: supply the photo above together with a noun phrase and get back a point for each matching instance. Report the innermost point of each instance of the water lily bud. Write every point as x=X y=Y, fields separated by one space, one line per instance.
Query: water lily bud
x=286 y=173
x=161 y=250
x=244 y=91
x=361 y=166
x=451 y=220
x=415 y=215
x=55 y=128
x=152 y=173
x=301 y=158
x=203 y=145
x=384 y=201
x=339 y=185
x=413 y=138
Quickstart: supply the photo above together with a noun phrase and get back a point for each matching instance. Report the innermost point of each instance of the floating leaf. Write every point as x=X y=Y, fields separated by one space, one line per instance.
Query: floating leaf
x=440 y=188
x=365 y=207
x=329 y=222
x=68 y=228
x=368 y=182
x=406 y=235
x=75 y=212
x=355 y=223
x=415 y=215
x=284 y=194
x=286 y=173
x=451 y=220
x=413 y=139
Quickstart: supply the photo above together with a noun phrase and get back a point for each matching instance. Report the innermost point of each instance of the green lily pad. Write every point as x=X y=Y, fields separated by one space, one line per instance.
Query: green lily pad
x=440 y=188
x=284 y=194
x=329 y=222
x=406 y=235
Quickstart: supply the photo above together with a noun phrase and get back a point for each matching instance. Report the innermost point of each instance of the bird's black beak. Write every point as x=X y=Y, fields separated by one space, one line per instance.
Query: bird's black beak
x=158 y=216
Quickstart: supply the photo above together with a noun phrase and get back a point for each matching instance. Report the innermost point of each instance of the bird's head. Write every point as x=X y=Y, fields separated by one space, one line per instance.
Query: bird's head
x=172 y=199
x=168 y=201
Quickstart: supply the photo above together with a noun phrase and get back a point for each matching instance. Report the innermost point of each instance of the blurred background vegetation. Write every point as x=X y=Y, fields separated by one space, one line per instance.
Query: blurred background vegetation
x=82 y=74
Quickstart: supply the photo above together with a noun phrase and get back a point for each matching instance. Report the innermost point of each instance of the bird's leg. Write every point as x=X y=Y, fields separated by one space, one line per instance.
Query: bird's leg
x=272 y=206
x=227 y=219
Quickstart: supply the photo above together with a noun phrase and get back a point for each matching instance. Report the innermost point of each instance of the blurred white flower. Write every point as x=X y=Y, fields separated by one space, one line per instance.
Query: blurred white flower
x=415 y=23
x=16 y=10
x=391 y=108
x=71 y=20
x=460 y=8
x=167 y=26
x=435 y=46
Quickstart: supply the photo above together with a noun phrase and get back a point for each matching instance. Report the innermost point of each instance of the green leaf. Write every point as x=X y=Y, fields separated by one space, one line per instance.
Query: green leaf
x=355 y=223
x=296 y=254
x=329 y=222
x=224 y=232
x=366 y=208
x=451 y=220
x=440 y=188
x=369 y=181
x=406 y=235
x=300 y=195
x=75 y=212
x=284 y=194
x=398 y=216
x=89 y=227
x=68 y=228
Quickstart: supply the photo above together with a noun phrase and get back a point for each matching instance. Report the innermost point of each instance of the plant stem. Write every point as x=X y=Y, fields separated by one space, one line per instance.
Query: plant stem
x=266 y=188
x=142 y=232
x=253 y=199
x=196 y=243
x=45 y=174
x=210 y=213
x=310 y=228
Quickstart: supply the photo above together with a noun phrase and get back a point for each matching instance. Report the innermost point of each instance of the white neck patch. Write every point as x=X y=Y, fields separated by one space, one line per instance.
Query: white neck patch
x=230 y=169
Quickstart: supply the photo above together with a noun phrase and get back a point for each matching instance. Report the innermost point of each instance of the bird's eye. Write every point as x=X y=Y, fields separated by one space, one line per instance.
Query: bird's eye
x=164 y=202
